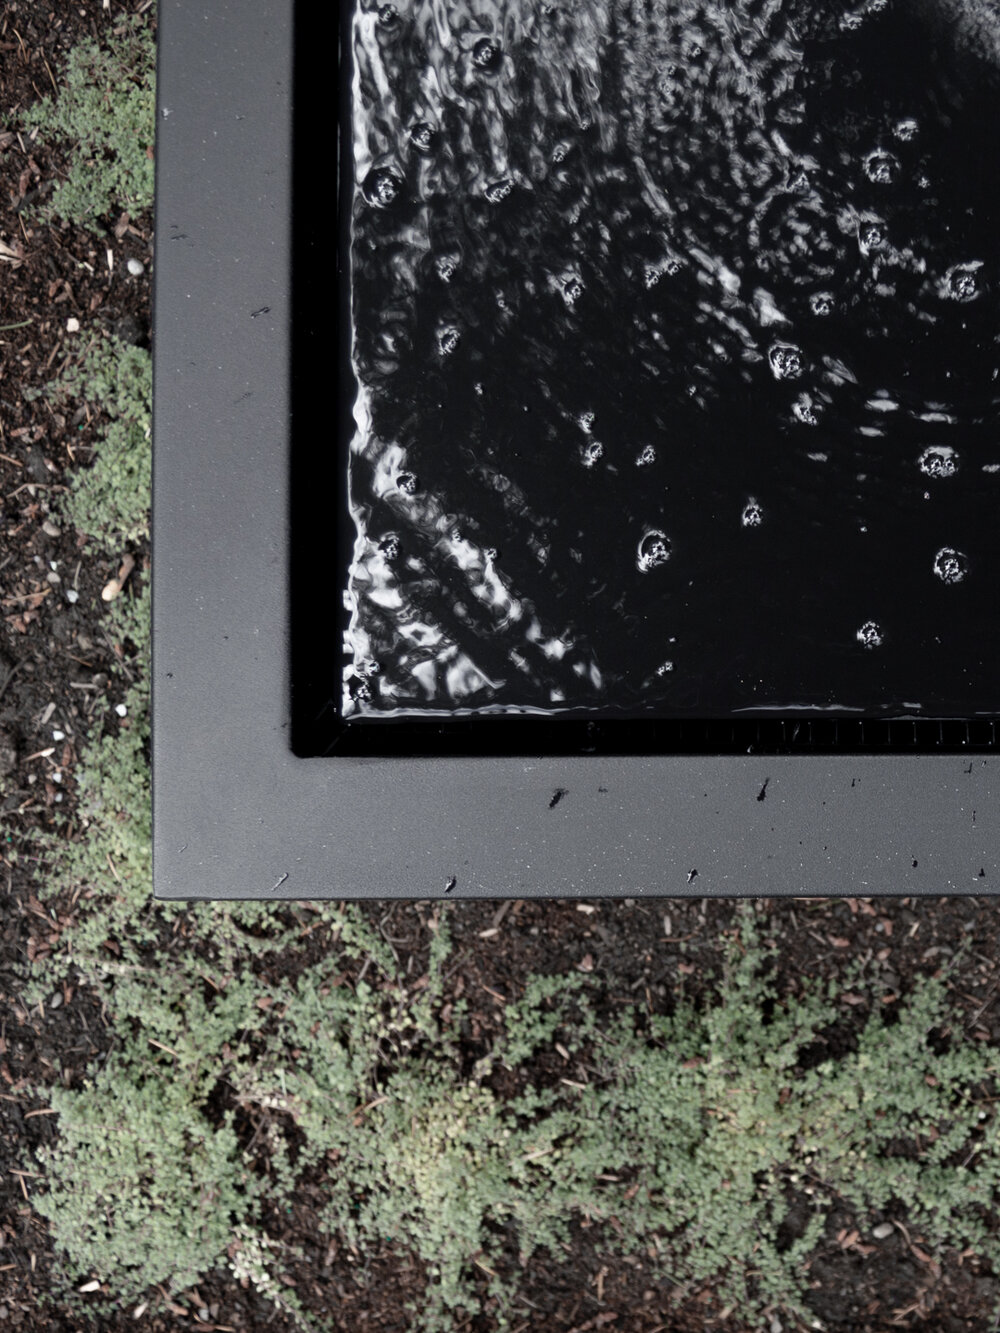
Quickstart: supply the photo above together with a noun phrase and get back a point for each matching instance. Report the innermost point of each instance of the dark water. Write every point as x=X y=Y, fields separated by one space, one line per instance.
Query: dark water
x=676 y=329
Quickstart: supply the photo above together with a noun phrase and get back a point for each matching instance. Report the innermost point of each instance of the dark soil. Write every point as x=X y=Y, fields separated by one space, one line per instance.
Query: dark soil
x=56 y=661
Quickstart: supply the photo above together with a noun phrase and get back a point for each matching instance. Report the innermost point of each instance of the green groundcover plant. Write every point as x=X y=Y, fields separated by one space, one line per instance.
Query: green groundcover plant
x=105 y=114
x=689 y=1141
x=109 y=500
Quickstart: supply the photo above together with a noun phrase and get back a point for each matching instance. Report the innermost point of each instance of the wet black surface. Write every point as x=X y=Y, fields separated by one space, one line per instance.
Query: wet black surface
x=676 y=331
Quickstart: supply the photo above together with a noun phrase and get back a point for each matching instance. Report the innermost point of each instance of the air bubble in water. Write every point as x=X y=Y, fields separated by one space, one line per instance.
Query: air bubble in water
x=786 y=361
x=654 y=550
x=486 y=54
x=881 y=167
x=664 y=669
x=497 y=191
x=445 y=266
x=871 y=236
x=951 y=566
x=805 y=410
x=389 y=547
x=593 y=452
x=870 y=635
x=388 y=15
x=939 y=460
x=752 y=515
x=906 y=129
x=359 y=689
x=821 y=303
x=422 y=136
x=408 y=483
x=381 y=187
x=962 y=282
x=646 y=456
x=448 y=338
x=572 y=290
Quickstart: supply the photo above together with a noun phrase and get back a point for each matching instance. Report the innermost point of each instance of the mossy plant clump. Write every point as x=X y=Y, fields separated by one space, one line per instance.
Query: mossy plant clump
x=110 y=499
x=105 y=113
x=109 y=502
x=695 y=1136
x=690 y=1142
x=142 y=1188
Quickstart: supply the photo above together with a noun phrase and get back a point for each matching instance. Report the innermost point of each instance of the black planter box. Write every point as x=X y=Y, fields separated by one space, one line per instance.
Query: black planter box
x=263 y=786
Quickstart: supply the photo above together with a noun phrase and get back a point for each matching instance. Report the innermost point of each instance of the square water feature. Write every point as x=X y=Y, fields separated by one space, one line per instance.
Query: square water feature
x=675 y=332
x=654 y=549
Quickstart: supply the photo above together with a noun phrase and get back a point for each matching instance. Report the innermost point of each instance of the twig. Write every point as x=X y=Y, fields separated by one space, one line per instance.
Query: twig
x=49 y=72
x=10 y=676
x=972 y=1021
x=160 y=1047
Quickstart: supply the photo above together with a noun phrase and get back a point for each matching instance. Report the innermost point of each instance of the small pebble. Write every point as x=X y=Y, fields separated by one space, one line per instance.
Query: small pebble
x=59 y=735
x=72 y=595
x=121 y=710
x=72 y=326
x=56 y=1000
x=883 y=1231
x=50 y=529
x=135 y=267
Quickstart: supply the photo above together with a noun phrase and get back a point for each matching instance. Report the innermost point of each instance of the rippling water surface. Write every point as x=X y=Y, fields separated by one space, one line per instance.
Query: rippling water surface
x=676 y=338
